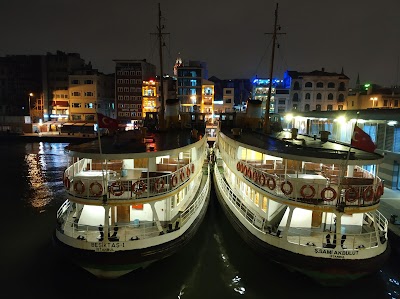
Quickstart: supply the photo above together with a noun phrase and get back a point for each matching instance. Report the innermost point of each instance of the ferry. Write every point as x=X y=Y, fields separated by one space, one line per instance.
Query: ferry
x=132 y=200
x=307 y=203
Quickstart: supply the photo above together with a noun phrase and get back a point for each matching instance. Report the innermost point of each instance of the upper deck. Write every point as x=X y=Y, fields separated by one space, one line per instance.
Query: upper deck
x=136 y=143
x=302 y=147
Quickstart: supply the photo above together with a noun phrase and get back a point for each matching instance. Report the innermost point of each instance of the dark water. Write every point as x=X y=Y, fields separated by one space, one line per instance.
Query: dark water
x=216 y=264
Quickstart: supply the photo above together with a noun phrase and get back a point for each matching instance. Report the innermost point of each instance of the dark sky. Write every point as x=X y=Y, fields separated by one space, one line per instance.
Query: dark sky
x=363 y=37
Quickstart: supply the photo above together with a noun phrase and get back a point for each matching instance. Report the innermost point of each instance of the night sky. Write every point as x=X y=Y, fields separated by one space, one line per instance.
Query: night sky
x=362 y=37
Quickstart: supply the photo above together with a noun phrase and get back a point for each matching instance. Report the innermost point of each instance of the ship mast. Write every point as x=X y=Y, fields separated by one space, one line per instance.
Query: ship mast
x=160 y=27
x=266 y=123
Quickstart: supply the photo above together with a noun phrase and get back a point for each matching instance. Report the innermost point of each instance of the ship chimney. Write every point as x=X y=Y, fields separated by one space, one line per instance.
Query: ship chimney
x=253 y=114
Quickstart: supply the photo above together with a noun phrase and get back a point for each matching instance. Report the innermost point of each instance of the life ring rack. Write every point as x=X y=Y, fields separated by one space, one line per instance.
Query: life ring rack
x=159 y=184
x=261 y=179
x=307 y=196
x=139 y=187
x=284 y=191
x=239 y=166
x=323 y=194
x=379 y=191
x=92 y=189
x=188 y=171
x=79 y=187
x=120 y=188
x=255 y=176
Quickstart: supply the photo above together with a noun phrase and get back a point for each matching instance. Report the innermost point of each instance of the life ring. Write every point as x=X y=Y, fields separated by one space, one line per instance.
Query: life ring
x=324 y=197
x=368 y=194
x=238 y=166
x=174 y=180
x=307 y=196
x=159 y=184
x=379 y=191
x=249 y=173
x=139 y=187
x=284 y=191
x=93 y=188
x=255 y=176
x=192 y=166
x=182 y=175
x=351 y=194
x=271 y=183
x=188 y=171
x=261 y=179
x=244 y=169
x=117 y=189
x=67 y=183
x=79 y=187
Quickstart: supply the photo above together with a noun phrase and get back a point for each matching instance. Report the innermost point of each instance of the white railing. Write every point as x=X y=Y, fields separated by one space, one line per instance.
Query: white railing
x=306 y=236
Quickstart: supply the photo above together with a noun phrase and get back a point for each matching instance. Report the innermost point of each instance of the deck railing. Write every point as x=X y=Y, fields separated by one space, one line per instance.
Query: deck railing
x=306 y=237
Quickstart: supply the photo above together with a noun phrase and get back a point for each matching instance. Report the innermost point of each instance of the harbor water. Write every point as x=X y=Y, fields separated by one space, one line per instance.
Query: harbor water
x=216 y=264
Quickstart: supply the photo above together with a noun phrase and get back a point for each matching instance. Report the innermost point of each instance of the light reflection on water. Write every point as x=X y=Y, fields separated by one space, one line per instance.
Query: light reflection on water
x=214 y=265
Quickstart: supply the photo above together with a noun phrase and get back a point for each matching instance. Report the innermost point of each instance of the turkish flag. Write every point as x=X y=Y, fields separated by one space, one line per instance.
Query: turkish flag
x=107 y=122
x=362 y=140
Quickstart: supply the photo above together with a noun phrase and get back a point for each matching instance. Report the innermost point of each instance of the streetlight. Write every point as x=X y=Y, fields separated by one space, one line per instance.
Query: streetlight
x=30 y=95
x=374 y=99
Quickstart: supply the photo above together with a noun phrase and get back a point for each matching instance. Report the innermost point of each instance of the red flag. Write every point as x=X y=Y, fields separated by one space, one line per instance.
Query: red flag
x=362 y=140
x=107 y=122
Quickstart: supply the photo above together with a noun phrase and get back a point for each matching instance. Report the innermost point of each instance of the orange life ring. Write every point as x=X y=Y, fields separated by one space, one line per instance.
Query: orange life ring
x=93 y=191
x=182 y=175
x=192 y=167
x=238 y=166
x=67 y=183
x=307 y=196
x=271 y=183
x=379 y=191
x=117 y=189
x=255 y=176
x=284 y=191
x=188 y=171
x=351 y=194
x=174 y=180
x=79 y=187
x=159 y=184
x=249 y=173
x=244 y=169
x=139 y=187
x=261 y=179
x=323 y=196
x=368 y=194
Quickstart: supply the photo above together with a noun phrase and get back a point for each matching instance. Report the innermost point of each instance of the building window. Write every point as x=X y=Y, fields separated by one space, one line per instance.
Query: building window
x=138 y=81
x=119 y=73
x=308 y=96
x=126 y=98
x=319 y=97
x=76 y=94
x=228 y=101
x=76 y=105
x=138 y=73
x=89 y=117
x=120 y=98
x=396 y=103
x=307 y=107
x=330 y=96
x=340 y=107
x=120 y=81
x=89 y=81
x=341 y=98
x=308 y=84
x=295 y=97
x=120 y=89
x=132 y=81
x=385 y=103
x=294 y=106
x=320 y=85
x=296 y=86
x=318 y=107
x=126 y=89
x=329 y=108
x=76 y=117
x=89 y=105
x=226 y=91
x=75 y=81
x=88 y=94
x=342 y=86
x=331 y=85
x=126 y=81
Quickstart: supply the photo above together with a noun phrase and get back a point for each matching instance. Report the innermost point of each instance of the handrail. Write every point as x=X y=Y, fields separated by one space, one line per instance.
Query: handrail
x=357 y=241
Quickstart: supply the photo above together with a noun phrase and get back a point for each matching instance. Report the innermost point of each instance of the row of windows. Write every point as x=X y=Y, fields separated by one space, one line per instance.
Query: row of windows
x=88 y=117
x=86 y=94
x=130 y=114
x=127 y=106
x=76 y=81
x=129 y=81
x=86 y=105
x=131 y=98
x=318 y=96
x=60 y=96
x=308 y=84
x=129 y=73
x=129 y=89
x=318 y=107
